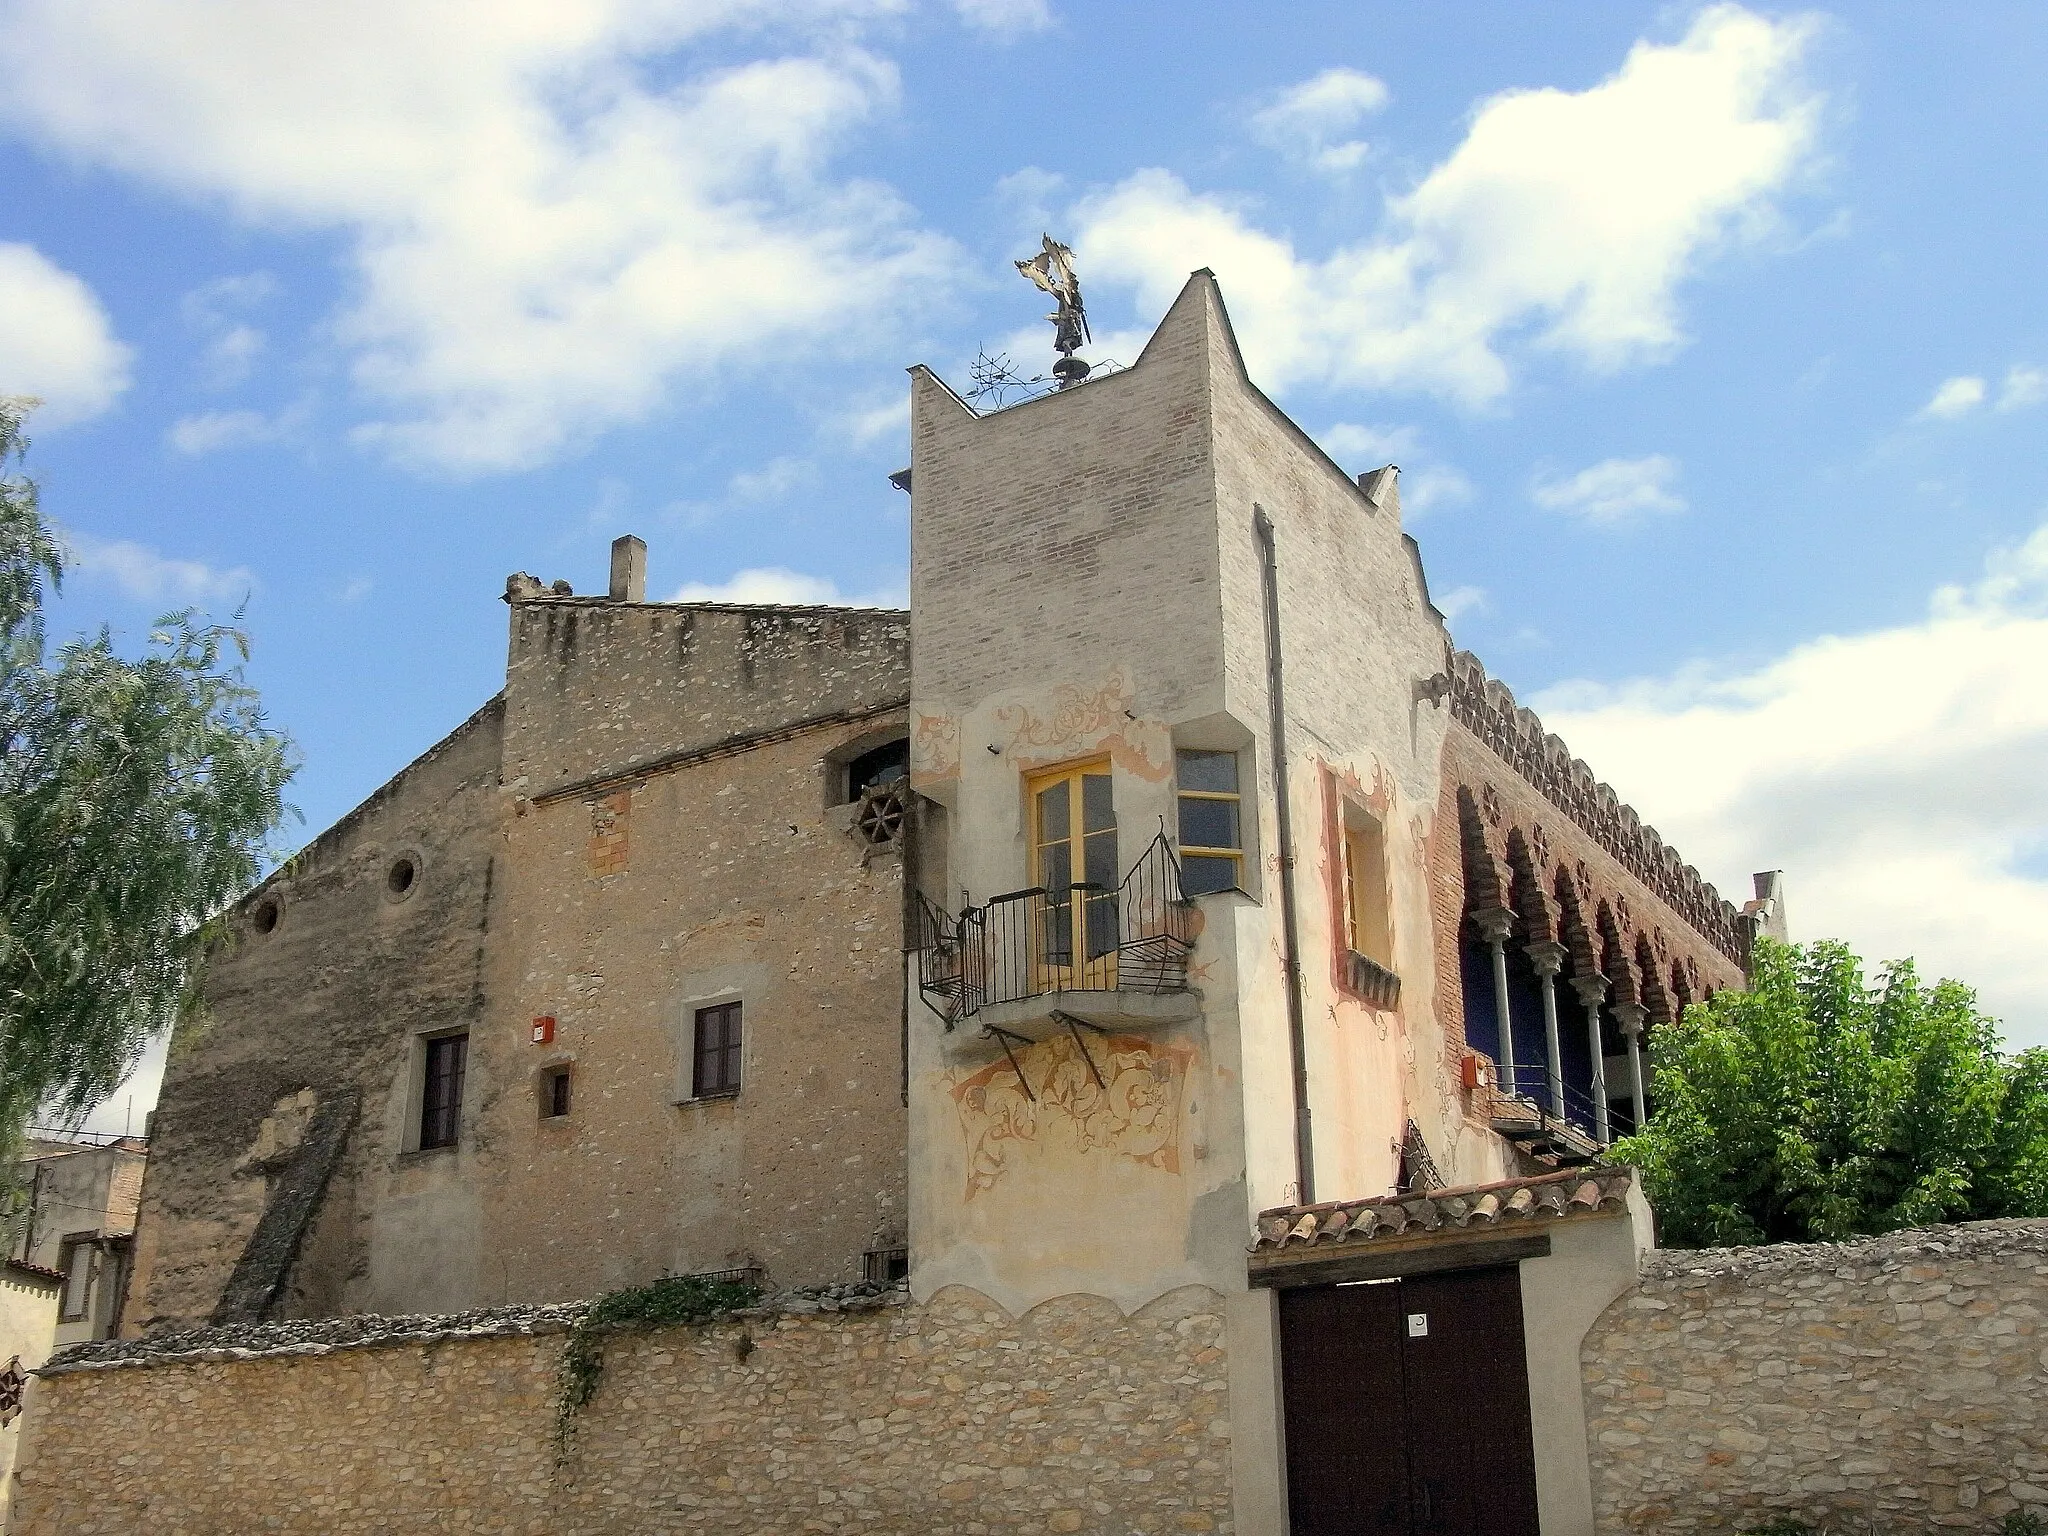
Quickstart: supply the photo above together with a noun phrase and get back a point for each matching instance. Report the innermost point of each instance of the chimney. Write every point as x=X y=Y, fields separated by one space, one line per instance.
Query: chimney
x=1769 y=906
x=1378 y=484
x=629 y=570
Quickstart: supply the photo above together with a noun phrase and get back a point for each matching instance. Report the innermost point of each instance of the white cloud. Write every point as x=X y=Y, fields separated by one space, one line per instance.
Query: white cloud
x=1370 y=446
x=231 y=344
x=355 y=589
x=1429 y=488
x=1460 y=601
x=1899 y=776
x=1571 y=217
x=147 y=576
x=544 y=236
x=2024 y=385
x=778 y=584
x=1309 y=120
x=211 y=431
x=1955 y=397
x=889 y=418
x=1614 y=491
x=772 y=481
x=56 y=342
x=1005 y=18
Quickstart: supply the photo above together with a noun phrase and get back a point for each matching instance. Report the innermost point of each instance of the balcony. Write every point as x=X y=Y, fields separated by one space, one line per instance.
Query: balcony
x=1109 y=958
x=1552 y=1121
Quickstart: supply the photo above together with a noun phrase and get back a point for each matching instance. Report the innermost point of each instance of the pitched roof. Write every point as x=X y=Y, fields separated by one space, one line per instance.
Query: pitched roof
x=1508 y=1204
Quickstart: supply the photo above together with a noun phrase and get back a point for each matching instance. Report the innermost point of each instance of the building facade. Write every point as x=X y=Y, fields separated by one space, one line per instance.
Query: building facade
x=1232 y=936
x=64 y=1277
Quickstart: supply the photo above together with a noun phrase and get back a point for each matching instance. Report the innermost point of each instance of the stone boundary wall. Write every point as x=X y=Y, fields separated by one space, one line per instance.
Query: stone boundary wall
x=868 y=1414
x=1889 y=1385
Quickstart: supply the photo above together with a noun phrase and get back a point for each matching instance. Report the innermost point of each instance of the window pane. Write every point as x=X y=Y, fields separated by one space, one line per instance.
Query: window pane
x=1212 y=771
x=1054 y=819
x=1200 y=874
x=1056 y=866
x=1099 y=859
x=718 y=1050
x=441 y=1092
x=1102 y=925
x=1098 y=803
x=1208 y=823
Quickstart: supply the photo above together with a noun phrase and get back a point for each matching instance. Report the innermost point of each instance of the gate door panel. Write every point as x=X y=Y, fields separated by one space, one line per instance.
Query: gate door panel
x=1407 y=1407
x=1472 y=1458
x=1340 y=1360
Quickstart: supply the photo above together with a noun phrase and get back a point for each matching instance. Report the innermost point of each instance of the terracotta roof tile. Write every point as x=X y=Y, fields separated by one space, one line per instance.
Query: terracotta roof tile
x=1544 y=1198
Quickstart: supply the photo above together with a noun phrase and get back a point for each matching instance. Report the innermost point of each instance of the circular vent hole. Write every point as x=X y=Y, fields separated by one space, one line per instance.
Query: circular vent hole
x=398 y=880
x=265 y=917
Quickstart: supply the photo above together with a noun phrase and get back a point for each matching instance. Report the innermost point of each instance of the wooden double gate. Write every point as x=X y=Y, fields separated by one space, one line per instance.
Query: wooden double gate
x=1407 y=1407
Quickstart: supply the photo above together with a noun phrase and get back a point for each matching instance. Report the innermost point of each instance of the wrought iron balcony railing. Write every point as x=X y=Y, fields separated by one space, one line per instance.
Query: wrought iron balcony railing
x=1075 y=938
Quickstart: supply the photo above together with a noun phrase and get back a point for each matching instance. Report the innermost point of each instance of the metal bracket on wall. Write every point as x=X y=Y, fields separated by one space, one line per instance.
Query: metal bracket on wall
x=1074 y=1028
x=1004 y=1037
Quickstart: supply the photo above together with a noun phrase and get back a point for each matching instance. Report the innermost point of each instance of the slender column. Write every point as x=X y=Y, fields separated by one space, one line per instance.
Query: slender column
x=1630 y=1017
x=1548 y=958
x=1592 y=990
x=1494 y=925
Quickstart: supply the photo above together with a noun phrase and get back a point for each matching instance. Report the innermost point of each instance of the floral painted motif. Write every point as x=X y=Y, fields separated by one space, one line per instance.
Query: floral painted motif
x=1133 y=1112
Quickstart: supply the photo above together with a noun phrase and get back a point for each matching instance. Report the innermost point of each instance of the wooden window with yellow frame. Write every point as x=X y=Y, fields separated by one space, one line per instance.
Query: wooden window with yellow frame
x=1074 y=858
x=1211 y=831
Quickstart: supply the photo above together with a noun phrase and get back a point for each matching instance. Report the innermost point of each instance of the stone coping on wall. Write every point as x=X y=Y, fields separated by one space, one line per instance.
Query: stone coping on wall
x=1856 y=1257
x=324 y=1335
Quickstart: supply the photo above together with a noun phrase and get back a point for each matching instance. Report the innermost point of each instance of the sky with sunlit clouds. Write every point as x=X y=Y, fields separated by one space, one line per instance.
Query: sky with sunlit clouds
x=1712 y=342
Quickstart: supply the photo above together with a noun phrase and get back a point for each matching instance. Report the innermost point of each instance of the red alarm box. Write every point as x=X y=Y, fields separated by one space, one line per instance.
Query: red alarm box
x=544 y=1030
x=1478 y=1071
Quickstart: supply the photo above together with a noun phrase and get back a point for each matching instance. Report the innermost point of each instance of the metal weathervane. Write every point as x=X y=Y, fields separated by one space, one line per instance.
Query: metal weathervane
x=1052 y=269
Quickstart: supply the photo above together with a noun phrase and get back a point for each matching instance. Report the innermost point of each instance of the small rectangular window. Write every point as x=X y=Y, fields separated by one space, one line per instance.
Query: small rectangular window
x=1211 y=836
x=1368 y=924
x=554 y=1094
x=718 y=1051
x=76 y=1263
x=441 y=1091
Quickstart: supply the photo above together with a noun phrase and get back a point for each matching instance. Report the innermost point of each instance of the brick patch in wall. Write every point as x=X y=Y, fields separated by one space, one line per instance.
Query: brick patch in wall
x=610 y=819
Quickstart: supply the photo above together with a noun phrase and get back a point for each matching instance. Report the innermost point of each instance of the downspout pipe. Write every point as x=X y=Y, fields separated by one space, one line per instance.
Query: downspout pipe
x=1290 y=926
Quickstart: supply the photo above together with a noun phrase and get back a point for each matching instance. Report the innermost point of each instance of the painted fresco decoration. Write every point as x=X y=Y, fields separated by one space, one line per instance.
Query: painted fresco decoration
x=1098 y=721
x=1133 y=1112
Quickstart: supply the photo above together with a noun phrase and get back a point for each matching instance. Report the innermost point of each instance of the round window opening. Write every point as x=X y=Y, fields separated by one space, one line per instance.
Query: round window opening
x=402 y=876
x=265 y=917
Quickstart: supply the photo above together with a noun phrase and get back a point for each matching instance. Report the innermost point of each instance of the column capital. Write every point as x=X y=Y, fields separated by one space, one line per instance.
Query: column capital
x=1494 y=923
x=1591 y=987
x=1630 y=1017
x=1547 y=955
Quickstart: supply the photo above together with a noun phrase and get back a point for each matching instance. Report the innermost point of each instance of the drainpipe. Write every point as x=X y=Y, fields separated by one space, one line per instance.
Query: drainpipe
x=1494 y=924
x=1630 y=1017
x=1548 y=958
x=1290 y=929
x=1592 y=989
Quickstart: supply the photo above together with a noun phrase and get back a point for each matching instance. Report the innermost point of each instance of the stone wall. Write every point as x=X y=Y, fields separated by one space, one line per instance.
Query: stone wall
x=941 y=1420
x=1893 y=1384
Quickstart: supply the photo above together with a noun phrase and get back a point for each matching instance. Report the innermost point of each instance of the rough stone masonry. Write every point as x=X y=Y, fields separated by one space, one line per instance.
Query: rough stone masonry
x=823 y=1414
x=1899 y=1384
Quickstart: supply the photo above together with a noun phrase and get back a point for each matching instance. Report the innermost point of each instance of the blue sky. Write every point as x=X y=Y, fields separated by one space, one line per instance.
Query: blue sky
x=1711 y=341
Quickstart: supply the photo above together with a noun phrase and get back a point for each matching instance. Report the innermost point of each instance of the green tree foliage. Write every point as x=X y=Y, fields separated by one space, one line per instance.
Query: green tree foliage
x=1814 y=1107
x=136 y=800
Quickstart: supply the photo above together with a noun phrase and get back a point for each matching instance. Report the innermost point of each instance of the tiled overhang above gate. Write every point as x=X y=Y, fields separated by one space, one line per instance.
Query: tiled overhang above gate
x=1462 y=1228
